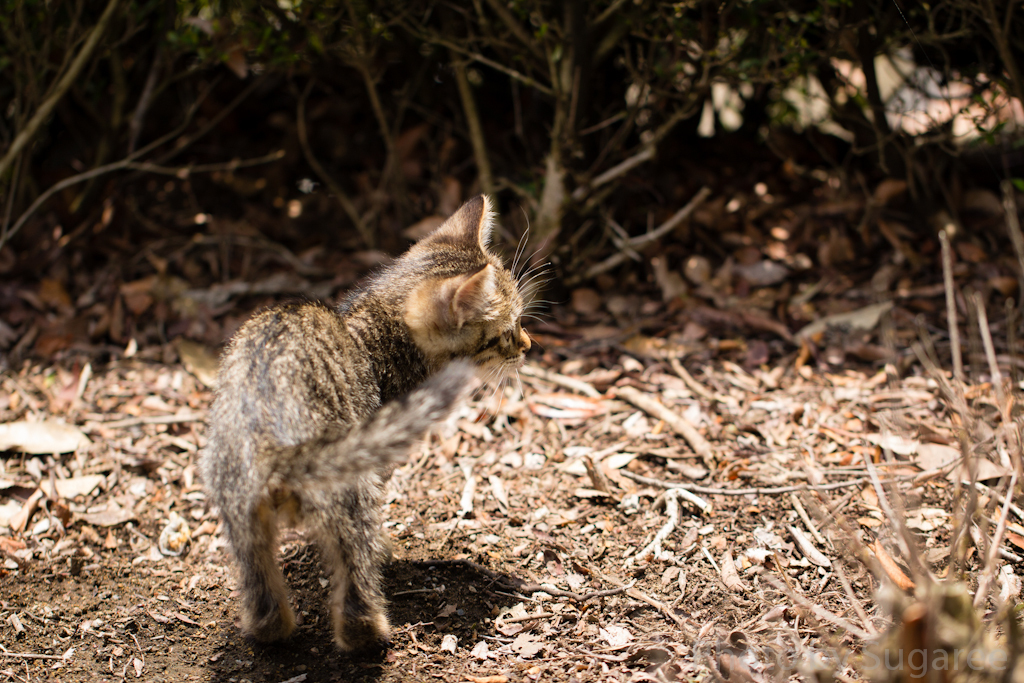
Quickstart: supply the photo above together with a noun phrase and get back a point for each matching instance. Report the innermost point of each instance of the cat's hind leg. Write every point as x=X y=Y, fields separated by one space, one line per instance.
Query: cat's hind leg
x=266 y=614
x=354 y=548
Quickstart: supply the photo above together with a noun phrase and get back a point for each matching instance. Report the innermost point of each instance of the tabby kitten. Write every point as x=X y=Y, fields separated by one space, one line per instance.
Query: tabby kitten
x=314 y=408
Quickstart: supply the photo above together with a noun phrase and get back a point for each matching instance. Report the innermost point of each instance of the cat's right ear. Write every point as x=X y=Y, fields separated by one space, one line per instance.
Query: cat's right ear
x=470 y=225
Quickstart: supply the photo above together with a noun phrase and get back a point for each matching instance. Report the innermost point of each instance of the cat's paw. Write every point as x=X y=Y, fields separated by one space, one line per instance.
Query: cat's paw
x=366 y=633
x=269 y=625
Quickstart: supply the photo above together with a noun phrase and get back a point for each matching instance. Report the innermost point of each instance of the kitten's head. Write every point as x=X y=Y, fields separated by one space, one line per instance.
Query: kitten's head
x=464 y=302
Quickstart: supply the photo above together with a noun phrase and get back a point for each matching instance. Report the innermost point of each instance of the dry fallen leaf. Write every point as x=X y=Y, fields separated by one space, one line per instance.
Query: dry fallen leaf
x=861 y=319
x=41 y=438
x=449 y=643
x=201 y=361
x=891 y=568
x=527 y=645
x=616 y=636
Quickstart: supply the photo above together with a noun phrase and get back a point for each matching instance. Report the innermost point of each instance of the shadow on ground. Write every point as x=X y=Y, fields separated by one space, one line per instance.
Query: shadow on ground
x=427 y=601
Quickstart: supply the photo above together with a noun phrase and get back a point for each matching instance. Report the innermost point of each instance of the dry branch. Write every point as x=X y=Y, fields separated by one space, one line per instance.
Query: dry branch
x=346 y=204
x=27 y=133
x=678 y=423
x=951 y=317
x=645 y=239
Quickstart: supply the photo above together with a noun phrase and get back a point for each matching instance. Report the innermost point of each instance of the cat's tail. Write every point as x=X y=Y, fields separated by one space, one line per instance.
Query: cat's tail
x=384 y=439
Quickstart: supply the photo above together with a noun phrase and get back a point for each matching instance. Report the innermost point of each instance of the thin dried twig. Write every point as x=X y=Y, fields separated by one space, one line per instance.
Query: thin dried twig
x=1013 y=227
x=951 y=317
x=990 y=355
x=817 y=610
x=157 y=167
x=799 y=507
x=988 y=574
x=678 y=423
x=648 y=237
x=672 y=512
x=657 y=604
x=577 y=385
x=25 y=136
x=761 y=491
x=854 y=600
x=622 y=168
x=147 y=420
x=691 y=382
x=346 y=204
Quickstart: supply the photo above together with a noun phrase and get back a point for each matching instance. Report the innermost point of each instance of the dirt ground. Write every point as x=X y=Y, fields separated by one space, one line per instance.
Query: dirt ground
x=510 y=561
x=542 y=534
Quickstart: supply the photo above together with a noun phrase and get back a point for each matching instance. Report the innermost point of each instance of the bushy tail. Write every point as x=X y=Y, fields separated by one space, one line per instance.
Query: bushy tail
x=384 y=439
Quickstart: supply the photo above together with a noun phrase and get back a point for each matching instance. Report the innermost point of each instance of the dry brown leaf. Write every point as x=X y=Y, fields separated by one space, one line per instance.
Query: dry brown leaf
x=201 y=361
x=41 y=438
x=76 y=486
x=890 y=567
x=889 y=189
x=730 y=575
x=111 y=515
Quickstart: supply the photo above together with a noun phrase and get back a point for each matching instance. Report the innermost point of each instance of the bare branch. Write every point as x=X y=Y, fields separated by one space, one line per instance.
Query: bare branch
x=46 y=108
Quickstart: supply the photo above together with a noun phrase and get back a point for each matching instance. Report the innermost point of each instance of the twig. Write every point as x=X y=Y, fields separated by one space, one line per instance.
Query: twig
x=691 y=382
x=346 y=204
x=1013 y=227
x=857 y=607
x=678 y=423
x=128 y=160
x=476 y=56
x=816 y=610
x=185 y=171
x=29 y=655
x=561 y=380
x=598 y=480
x=714 y=491
x=148 y=420
x=619 y=169
x=642 y=240
x=15 y=180
x=672 y=497
x=990 y=355
x=186 y=142
x=989 y=491
x=657 y=604
x=896 y=521
x=951 y=317
x=799 y=507
x=145 y=99
x=988 y=574
x=476 y=131
x=516 y=28
x=23 y=138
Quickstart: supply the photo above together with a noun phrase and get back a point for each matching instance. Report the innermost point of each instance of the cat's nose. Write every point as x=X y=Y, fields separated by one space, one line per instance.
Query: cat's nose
x=524 y=340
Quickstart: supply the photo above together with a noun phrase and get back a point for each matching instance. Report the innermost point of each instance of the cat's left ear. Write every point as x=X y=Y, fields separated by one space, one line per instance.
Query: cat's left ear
x=471 y=224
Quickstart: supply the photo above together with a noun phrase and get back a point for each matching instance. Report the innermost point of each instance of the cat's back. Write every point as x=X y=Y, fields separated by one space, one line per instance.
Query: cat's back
x=288 y=373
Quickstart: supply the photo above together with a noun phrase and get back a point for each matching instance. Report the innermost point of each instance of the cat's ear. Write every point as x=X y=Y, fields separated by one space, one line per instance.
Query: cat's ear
x=439 y=305
x=470 y=225
x=472 y=298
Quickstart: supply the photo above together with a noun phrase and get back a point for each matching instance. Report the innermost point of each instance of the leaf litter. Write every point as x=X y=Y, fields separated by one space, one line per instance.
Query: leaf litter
x=679 y=486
